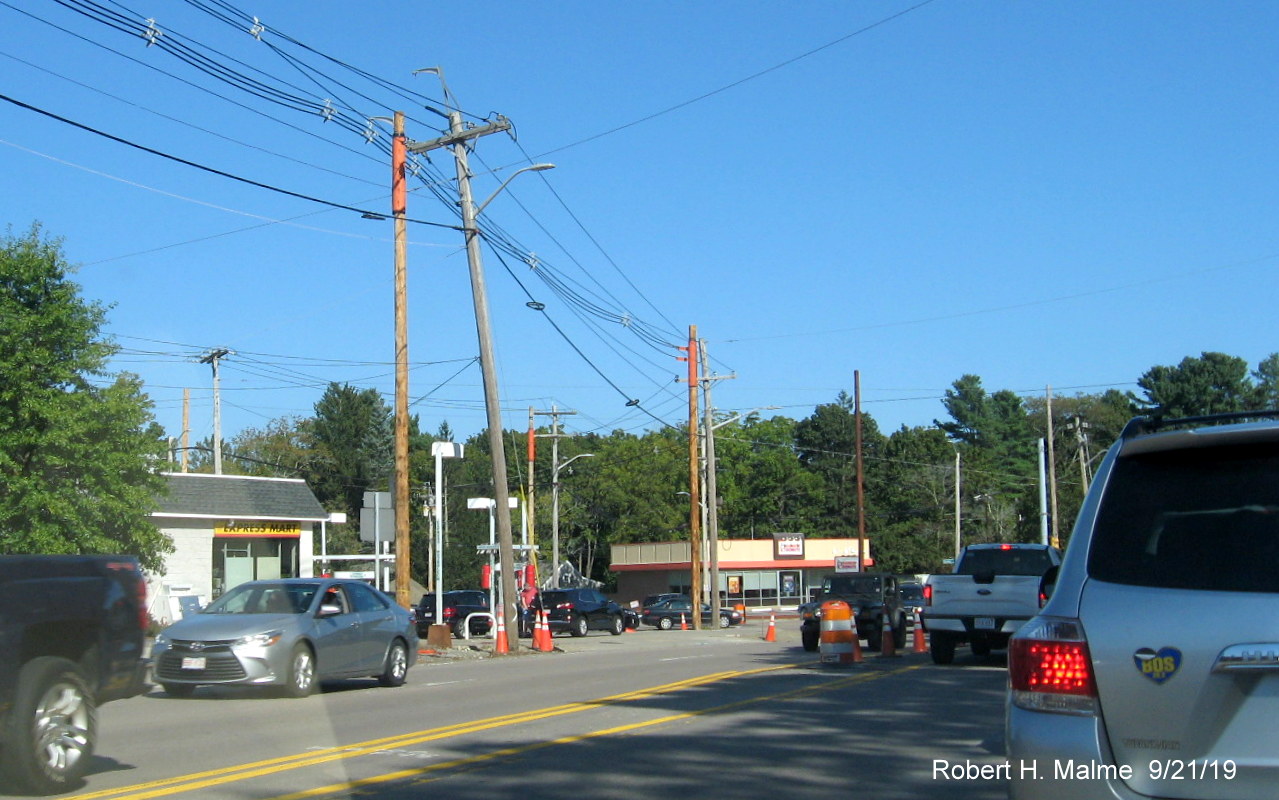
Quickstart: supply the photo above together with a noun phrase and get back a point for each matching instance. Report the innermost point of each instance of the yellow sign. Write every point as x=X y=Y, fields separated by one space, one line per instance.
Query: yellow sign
x=278 y=529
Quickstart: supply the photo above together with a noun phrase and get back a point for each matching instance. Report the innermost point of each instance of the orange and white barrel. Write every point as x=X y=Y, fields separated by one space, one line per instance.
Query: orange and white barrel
x=837 y=642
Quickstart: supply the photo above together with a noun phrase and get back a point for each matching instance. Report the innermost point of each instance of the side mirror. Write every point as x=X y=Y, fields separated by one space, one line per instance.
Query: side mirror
x=1047 y=584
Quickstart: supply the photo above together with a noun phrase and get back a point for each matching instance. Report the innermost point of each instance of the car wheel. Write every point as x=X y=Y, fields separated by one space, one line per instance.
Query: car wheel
x=396 y=668
x=178 y=689
x=941 y=647
x=665 y=623
x=899 y=634
x=874 y=638
x=810 y=640
x=723 y=621
x=459 y=629
x=580 y=626
x=301 y=672
x=618 y=626
x=49 y=733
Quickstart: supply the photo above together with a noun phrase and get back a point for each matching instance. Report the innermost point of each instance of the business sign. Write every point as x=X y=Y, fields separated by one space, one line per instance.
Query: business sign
x=788 y=545
x=290 y=530
x=848 y=564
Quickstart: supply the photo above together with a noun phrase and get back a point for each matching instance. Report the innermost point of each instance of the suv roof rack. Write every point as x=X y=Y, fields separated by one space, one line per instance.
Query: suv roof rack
x=1150 y=424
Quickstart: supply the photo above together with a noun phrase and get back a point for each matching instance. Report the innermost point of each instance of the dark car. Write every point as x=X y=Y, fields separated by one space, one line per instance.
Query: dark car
x=459 y=605
x=668 y=613
x=912 y=597
x=580 y=610
x=653 y=599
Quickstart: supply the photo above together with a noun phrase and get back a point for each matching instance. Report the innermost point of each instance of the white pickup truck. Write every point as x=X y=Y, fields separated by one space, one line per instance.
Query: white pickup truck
x=992 y=592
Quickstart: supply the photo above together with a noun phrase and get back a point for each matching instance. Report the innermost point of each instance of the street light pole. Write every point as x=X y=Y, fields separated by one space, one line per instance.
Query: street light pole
x=555 y=515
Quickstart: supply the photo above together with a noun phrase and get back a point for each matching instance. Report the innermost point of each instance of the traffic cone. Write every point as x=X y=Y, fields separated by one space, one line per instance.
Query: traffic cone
x=771 y=635
x=542 y=634
x=683 y=624
x=857 y=639
x=918 y=632
x=500 y=646
x=887 y=644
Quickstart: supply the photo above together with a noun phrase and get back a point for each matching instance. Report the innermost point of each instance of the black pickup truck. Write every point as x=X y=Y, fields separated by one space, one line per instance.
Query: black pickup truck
x=72 y=635
x=870 y=594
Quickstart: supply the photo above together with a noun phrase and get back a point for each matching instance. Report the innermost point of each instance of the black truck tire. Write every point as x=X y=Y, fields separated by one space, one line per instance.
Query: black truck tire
x=810 y=638
x=50 y=732
x=942 y=647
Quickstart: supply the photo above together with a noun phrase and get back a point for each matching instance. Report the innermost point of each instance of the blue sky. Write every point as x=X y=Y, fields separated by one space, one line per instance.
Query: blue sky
x=1059 y=194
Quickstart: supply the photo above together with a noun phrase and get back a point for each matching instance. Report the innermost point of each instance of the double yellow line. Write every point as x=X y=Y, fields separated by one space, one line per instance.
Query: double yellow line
x=224 y=775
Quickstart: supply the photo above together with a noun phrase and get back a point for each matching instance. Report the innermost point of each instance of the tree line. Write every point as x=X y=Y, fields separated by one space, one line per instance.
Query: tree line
x=79 y=462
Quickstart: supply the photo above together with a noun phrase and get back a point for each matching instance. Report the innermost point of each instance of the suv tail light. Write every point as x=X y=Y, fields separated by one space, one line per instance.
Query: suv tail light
x=928 y=594
x=1050 y=667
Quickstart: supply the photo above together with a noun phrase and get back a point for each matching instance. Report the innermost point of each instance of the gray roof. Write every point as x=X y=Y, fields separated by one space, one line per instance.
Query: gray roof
x=237 y=496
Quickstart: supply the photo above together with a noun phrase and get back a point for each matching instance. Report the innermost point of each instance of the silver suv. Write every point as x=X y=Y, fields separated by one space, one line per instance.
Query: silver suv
x=1153 y=669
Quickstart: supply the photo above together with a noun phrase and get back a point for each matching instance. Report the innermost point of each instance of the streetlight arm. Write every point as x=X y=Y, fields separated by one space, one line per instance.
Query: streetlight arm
x=533 y=168
x=564 y=464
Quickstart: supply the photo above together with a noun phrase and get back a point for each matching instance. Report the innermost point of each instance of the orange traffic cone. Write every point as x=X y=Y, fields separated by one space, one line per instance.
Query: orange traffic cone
x=683 y=624
x=887 y=643
x=918 y=632
x=771 y=635
x=542 y=634
x=857 y=639
x=500 y=645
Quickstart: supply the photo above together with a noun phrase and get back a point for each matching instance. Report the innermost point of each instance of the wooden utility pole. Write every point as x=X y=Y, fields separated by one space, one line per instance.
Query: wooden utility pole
x=528 y=498
x=400 y=495
x=694 y=482
x=213 y=357
x=862 y=543
x=1052 y=471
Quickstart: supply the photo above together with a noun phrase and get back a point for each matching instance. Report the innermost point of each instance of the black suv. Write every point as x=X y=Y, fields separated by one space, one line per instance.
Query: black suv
x=458 y=605
x=580 y=610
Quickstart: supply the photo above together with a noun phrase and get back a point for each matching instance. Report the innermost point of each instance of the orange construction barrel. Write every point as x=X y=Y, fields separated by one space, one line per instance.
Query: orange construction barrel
x=837 y=643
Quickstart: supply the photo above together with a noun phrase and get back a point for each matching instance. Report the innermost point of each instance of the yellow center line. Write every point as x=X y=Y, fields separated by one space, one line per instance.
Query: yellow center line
x=418 y=772
x=223 y=775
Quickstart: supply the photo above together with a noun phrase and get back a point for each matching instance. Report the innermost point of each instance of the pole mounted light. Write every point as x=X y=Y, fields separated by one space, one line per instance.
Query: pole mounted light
x=533 y=168
x=555 y=516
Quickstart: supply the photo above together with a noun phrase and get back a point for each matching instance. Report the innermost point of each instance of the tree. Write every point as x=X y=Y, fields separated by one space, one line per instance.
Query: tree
x=1212 y=383
x=1267 y=377
x=77 y=461
x=352 y=437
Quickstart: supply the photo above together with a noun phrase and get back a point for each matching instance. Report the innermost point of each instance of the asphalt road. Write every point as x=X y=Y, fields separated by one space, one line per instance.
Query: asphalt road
x=646 y=714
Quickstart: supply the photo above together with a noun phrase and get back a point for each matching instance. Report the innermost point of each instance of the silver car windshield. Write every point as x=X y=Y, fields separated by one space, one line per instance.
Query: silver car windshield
x=265 y=598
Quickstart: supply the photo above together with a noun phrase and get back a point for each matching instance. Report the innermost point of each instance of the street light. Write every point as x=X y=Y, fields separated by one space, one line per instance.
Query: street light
x=441 y=451
x=555 y=516
x=532 y=168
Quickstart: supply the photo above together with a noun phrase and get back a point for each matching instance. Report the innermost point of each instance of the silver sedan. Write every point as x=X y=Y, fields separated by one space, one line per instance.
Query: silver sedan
x=291 y=633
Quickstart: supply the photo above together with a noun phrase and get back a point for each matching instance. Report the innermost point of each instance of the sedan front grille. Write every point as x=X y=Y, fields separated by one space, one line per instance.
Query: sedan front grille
x=219 y=667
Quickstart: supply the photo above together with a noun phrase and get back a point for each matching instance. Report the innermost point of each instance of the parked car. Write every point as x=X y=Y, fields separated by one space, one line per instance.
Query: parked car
x=657 y=598
x=580 y=610
x=459 y=605
x=291 y=633
x=668 y=613
x=1151 y=666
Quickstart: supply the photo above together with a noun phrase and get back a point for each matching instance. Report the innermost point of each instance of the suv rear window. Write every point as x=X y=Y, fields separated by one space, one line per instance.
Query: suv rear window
x=1200 y=518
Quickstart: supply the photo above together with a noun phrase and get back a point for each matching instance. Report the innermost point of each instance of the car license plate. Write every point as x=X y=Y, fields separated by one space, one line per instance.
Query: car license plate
x=984 y=623
x=193 y=662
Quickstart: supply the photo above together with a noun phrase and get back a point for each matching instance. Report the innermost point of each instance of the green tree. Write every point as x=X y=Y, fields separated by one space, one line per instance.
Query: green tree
x=1211 y=383
x=1267 y=377
x=77 y=461
x=352 y=439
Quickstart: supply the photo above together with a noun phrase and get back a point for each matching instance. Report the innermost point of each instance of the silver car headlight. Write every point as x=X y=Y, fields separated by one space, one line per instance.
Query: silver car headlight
x=257 y=641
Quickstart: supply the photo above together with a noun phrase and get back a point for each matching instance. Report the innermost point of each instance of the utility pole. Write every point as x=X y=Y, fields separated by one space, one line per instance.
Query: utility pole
x=213 y=357
x=555 y=413
x=958 y=546
x=457 y=139
x=694 y=488
x=528 y=503
x=186 y=428
x=712 y=491
x=400 y=495
x=1085 y=476
x=1052 y=469
x=862 y=543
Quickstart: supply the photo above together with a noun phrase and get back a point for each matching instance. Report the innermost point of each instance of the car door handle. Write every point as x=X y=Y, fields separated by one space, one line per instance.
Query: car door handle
x=1250 y=656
